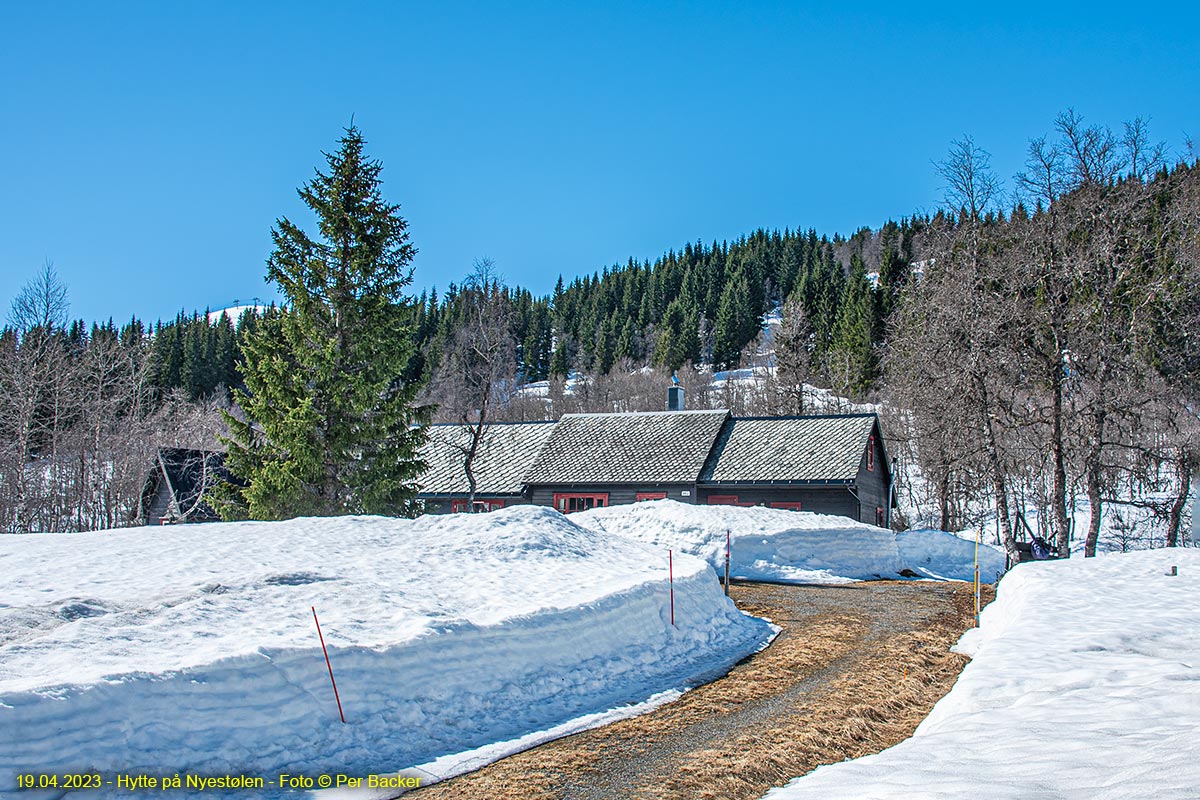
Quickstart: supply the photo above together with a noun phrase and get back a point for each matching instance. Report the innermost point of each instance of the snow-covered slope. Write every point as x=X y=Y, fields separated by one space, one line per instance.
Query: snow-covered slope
x=1085 y=685
x=777 y=545
x=193 y=648
x=234 y=313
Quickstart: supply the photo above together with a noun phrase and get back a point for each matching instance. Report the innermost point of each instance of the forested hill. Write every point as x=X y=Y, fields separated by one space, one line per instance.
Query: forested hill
x=702 y=304
x=1046 y=349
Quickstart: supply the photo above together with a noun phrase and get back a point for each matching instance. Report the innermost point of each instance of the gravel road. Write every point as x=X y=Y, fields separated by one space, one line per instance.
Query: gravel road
x=854 y=670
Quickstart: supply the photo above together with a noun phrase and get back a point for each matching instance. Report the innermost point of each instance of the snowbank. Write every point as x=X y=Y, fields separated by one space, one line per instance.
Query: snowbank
x=193 y=648
x=776 y=545
x=234 y=313
x=1085 y=685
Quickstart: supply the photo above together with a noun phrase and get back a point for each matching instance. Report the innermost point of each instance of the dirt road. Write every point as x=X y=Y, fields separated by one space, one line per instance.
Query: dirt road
x=855 y=669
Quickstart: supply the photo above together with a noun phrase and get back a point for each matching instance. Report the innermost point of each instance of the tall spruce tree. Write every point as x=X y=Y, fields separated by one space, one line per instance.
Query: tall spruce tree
x=331 y=426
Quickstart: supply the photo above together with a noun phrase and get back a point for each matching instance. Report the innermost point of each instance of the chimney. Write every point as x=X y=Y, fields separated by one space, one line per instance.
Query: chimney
x=675 y=395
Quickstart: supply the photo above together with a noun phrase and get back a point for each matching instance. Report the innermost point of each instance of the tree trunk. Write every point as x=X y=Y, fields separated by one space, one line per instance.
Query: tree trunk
x=944 y=499
x=999 y=486
x=1092 y=466
x=1058 y=491
x=1093 y=530
x=1183 y=469
x=476 y=432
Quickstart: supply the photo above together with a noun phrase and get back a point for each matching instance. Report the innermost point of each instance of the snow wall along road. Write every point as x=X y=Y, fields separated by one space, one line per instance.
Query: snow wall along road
x=796 y=546
x=193 y=649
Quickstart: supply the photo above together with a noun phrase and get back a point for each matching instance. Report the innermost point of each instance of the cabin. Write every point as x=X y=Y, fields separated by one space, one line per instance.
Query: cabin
x=174 y=490
x=831 y=464
x=505 y=455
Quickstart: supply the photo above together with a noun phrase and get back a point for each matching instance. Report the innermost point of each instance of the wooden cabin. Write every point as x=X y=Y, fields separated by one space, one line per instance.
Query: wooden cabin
x=505 y=455
x=832 y=464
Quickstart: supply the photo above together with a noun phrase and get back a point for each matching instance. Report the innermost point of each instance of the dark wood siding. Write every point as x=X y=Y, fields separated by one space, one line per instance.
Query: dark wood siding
x=872 y=484
x=159 y=506
x=441 y=505
x=836 y=500
x=543 y=494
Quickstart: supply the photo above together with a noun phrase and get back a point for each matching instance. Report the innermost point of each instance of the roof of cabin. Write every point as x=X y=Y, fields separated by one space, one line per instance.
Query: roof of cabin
x=505 y=455
x=649 y=447
x=766 y=449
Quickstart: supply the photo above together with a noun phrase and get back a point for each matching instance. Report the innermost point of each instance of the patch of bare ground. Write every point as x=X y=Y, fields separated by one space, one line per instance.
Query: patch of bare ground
x=854 y=670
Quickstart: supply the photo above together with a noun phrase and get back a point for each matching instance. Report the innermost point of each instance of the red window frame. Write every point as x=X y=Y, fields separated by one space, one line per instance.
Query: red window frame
x=871 y=453
x=726 y=500
x=790 y=505
x=460 y=506
x=640 y=496
x=570 y=502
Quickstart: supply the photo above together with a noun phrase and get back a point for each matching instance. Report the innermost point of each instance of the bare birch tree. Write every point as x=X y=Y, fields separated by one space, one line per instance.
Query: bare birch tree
x=478 y=367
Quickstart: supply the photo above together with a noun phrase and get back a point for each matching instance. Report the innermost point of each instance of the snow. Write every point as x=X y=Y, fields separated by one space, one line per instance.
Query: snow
x=794 y=546
x=193 y=648
x=234 y=313
x=1085 y=685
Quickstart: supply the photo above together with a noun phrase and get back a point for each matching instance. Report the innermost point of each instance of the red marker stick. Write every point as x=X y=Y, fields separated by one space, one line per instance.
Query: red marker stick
x=330 y=666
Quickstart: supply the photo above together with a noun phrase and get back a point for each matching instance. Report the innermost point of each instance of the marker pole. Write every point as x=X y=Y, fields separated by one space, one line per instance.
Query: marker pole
x=727 y=551
x=978 y=536
x=330 y=666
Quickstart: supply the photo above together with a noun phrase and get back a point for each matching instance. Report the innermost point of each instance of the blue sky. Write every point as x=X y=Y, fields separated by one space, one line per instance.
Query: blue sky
x=148 y=148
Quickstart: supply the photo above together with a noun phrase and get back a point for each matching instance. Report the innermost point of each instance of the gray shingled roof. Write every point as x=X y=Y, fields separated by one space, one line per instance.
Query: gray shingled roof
x=757 y=450
x=505 y=455
x=657 y=447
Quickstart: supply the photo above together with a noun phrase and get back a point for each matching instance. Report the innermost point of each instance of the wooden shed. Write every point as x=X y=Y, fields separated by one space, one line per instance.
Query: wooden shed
x=176 y=487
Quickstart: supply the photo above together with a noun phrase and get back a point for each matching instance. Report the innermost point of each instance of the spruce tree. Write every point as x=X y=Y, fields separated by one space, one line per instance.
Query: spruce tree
x=330 y=424
x=560 y=364
x=669 y=351
x=736 y=322
x=852 y=359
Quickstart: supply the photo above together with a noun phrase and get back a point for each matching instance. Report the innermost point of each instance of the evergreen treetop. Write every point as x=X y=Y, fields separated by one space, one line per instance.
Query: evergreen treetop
x=331 y=424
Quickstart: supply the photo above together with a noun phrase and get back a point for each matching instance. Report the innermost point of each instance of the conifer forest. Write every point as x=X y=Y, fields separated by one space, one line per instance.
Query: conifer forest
x=1031 y=341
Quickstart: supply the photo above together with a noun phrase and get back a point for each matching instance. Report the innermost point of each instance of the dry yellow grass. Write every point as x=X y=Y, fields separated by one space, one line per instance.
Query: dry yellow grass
x=855 y=693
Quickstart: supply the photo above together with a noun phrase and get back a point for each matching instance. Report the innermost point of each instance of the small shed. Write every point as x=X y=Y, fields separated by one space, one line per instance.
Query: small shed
x=177 y=486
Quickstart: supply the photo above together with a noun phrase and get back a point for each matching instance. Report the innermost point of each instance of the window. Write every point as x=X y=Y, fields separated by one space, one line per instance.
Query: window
x=871 y=453
x=569 y=503
x=460 y=506
x=790 y=506
x=650 y=496
x=726 y=500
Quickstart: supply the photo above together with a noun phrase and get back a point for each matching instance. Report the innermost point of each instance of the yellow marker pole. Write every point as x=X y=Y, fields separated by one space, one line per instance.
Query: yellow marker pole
x=978 y=536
